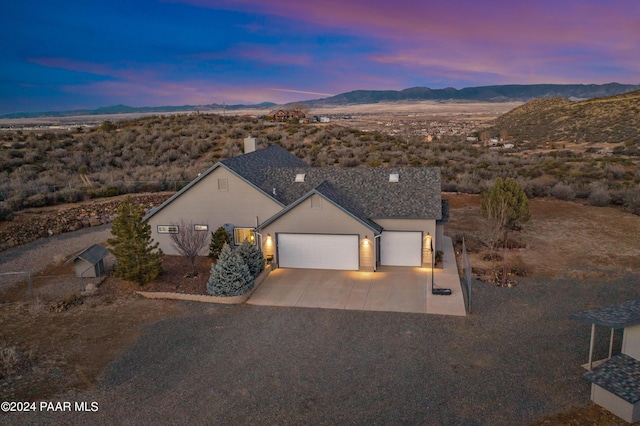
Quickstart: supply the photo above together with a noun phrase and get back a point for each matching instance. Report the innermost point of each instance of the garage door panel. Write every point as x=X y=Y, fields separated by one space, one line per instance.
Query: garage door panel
x=318 y=251
x=401 y=248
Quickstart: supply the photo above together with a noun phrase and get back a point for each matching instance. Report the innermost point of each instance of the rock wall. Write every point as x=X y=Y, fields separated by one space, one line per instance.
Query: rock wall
x=70 y=219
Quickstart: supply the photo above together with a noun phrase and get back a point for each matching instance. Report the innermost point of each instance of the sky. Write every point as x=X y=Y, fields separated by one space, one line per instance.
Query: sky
x=72 y=54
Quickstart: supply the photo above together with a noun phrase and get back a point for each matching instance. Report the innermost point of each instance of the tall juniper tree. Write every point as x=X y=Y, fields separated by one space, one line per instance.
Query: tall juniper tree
x=138 y=257
x=230 y=276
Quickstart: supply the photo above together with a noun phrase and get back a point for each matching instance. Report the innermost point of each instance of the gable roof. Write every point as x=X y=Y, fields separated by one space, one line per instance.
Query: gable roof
x=416 y=195
x=326 y=191
x=93 y=254
x=248 y=167
x=366 y=193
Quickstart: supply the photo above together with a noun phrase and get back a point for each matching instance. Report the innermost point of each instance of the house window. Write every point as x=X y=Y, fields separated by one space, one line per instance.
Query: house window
x=167 y=229
x=201 y=227
x=241 y=234
x=223 y=184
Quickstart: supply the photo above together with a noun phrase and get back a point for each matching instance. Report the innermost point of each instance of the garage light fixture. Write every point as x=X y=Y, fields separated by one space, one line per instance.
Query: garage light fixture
x=366 y=241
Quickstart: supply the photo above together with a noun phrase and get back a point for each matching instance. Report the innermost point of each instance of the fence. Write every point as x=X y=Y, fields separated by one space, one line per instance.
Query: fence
x=46 y=287
x=467 y=275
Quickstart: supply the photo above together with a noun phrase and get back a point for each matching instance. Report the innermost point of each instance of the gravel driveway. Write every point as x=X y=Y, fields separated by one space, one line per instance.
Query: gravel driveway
x=515 y=359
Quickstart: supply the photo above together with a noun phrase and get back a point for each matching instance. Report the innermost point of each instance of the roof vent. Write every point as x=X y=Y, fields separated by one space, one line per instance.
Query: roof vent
x=300 y=177
x=394 y=177
x=274 y=191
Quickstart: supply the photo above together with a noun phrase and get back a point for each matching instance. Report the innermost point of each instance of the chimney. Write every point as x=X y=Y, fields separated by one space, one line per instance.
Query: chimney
x=250 y=145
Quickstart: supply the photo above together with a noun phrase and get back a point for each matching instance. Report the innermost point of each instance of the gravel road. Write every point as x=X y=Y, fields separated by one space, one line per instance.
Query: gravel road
x=515 y=359
x=33 y=256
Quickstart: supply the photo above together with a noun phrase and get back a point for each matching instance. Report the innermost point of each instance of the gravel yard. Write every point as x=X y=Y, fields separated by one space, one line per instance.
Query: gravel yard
x=515 y=360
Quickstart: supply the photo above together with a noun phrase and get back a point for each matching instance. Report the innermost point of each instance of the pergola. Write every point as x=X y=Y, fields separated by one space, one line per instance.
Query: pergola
x=618 y=316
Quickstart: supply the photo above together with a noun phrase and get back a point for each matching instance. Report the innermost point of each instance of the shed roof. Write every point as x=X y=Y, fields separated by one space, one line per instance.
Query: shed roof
x=620 y=315
x=93 y=254
x=620 y=375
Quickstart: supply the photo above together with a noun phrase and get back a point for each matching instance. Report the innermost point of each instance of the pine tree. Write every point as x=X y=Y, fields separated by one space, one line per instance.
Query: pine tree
x=252 y=256
x=218 y=240
x=230 y=276
x=138 y=257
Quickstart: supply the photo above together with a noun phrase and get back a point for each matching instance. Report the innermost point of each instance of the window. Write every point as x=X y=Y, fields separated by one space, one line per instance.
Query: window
x=223 y=185
x=201 y=227
x=167 y=229
x=241 y=234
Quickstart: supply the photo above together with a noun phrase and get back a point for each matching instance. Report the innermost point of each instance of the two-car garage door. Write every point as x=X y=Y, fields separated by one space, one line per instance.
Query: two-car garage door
x=318 y=251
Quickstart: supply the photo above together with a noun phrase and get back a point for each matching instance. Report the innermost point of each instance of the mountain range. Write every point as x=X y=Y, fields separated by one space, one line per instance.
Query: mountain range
x=503 y=93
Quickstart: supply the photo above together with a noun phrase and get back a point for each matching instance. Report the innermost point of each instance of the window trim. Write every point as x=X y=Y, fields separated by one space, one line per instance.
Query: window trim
x=168 y=229
x=251 y=232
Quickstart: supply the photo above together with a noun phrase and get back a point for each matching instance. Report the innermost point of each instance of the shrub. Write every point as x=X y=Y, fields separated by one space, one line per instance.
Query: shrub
x=562 y=191
x=230 y=276
x=252 y=256
x=218 y=240
x=6 y=214
x=599 y=195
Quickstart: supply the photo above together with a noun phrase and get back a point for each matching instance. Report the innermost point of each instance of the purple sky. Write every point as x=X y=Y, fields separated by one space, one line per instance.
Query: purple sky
x=59 y=55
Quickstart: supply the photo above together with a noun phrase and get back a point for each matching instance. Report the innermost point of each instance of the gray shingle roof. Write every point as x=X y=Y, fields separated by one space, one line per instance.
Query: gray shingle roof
x=415 y=196
x=364 y=192
x=93 y=254
x=620 y=375
x=620 y=315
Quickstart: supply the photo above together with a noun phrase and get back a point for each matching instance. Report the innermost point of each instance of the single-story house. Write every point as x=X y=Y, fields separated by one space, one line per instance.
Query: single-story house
x=312 y=217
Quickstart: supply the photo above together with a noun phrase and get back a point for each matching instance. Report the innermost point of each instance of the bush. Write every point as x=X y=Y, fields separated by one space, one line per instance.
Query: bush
x=6 y=214
x=632 y=202
x=252 y=257
x=599 y=195
x=562 y=191
x=230 y=276
x=218 y=241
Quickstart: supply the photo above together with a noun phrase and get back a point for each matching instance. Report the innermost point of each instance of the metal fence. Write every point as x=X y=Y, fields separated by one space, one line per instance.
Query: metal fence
x=45 y=287
x=467 y=275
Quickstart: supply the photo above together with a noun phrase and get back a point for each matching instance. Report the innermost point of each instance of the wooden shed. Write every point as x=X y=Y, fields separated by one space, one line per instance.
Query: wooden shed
x=615 y=381
x=90 y=262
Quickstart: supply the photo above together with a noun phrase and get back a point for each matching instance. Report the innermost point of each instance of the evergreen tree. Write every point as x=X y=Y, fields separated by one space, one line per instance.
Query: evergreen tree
x=137 y=255
x=218 y=240
x=230 y=276
x=252 y=256
x=504 y=205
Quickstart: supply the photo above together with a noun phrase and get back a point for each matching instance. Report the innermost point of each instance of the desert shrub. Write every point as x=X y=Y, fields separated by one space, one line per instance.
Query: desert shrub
x=6 y=214
x=562 y=191
x=230 y=276
x=632 y=201
x=599 y=195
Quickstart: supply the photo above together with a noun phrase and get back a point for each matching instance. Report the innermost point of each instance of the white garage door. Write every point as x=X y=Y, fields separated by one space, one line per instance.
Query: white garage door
x=401 y=248
x=318 y=251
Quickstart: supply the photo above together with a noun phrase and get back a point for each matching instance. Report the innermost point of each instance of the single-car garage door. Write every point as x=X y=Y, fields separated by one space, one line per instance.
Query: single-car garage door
x=318 y=251
x=401 y=248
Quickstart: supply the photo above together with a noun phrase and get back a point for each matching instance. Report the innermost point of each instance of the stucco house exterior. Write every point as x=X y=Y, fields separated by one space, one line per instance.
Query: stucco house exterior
x=309 y=217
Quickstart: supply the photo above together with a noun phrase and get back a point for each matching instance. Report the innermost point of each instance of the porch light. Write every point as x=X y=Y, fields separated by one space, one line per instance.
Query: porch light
x=366 y=241
x=268 y=236
x=428 y=242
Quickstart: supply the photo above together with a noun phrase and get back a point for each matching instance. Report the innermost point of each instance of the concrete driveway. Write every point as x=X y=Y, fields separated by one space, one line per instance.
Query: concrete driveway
x=392 y=289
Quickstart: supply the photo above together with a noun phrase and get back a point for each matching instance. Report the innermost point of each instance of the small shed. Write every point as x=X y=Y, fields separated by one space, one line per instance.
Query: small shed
x=615 y=381
x=90 y=262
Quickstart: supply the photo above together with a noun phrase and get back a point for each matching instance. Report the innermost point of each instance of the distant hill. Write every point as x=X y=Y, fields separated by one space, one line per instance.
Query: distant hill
x=504 y=93
x=607 y=119
x=124 y=109
x=512 y=92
